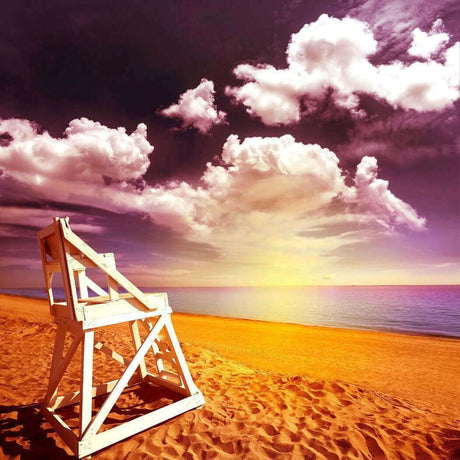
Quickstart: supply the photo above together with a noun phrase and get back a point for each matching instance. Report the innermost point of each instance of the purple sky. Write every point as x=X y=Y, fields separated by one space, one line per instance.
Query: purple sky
x=234 y=143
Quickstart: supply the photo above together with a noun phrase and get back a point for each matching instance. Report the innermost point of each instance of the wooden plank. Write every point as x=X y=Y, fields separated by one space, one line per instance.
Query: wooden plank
x=67 y=277
x=158 y=357
x=61 y=367
x=163 y=346
x=107 y=321
x=137 y=342
x=182 y=365
x=71 y=325
x=171 y=359
x=47 y=231
x=112 y=288
x=56 y=363
x=67 y=435
x=86 y=380
x=160 y=298
x=104 y=297
x=167 y=384
x=82 y=283
x=91 y=444
x=158 y=354
x=114 y=395
x=95 y=287
x=112 y=285
x=111 y=353
x=169 y=355
x=170 y=377
x=74 y=397
x=79 y=244
x=75 y=263
x=48 y=277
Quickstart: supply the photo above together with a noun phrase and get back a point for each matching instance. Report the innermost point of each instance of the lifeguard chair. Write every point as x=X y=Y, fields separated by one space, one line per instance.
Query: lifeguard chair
x=88 y=307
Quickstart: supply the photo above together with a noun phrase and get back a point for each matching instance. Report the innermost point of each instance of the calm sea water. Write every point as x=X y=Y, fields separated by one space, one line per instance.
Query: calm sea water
x=418 y=309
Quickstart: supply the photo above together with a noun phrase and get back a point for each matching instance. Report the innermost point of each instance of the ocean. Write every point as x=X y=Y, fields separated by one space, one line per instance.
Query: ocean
x=431 y=310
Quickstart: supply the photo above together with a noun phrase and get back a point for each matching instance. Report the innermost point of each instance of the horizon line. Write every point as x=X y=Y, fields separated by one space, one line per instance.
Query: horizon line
x=271 y=285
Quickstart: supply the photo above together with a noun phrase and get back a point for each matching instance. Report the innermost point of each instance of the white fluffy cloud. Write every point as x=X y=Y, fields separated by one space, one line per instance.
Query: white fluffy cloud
x=270 y=186
x=196 y=108
x=372 y=198
x=425 y=44
x=87 y=153
x=279 y=176
x=273 y=174
x=333 y=54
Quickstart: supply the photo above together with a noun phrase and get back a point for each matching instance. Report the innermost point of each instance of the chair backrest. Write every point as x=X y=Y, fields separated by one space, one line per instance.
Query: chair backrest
x=63 y=252
x=54 y=260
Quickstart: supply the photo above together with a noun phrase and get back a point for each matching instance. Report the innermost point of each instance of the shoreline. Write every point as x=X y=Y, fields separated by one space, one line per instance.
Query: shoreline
x=338 y=327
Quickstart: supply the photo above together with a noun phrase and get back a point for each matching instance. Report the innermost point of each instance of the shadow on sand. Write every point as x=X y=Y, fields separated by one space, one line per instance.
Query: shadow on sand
x=24 y=433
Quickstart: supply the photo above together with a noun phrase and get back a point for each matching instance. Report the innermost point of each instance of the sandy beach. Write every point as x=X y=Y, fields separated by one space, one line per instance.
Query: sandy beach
x=272 y=391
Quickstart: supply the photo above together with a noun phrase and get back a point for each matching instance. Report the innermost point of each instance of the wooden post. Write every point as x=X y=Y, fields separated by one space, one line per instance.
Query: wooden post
x=86 y=381
x=134 y=328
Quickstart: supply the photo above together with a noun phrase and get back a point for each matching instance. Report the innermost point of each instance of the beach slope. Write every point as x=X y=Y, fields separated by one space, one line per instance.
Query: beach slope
x=272 y=391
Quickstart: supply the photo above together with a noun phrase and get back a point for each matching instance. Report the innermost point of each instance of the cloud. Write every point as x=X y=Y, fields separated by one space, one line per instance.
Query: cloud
x=301 y=181
x=39 y=218
x=422 y=86
x=87 y=153
x=371 y=197
x=331 y=56
x=272 y=175
x=404 y=137
x=425 y=44
x=395 y=36
x=27 y=263
x=196 y=108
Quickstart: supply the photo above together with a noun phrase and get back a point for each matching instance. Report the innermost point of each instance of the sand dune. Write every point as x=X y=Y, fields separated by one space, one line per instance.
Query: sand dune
x=252 y=410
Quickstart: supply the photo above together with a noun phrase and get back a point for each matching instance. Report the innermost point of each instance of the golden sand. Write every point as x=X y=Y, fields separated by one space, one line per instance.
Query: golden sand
x=272 y=391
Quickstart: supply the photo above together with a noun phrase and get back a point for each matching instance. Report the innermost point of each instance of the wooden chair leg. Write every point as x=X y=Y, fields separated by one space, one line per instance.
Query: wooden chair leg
x=86 y=381
x=137 y=342
x=182 y=364
x=55 y=364
x=59 y=363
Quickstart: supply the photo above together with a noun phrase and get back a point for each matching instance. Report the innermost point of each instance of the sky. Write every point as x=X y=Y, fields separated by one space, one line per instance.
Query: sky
x=234 y=143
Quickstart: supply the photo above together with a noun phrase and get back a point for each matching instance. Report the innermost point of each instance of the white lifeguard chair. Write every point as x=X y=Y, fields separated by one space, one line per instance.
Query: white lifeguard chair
x=84 y=311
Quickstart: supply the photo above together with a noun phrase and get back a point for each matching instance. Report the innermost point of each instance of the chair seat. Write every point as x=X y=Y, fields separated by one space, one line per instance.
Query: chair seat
x=100 y=311
x=157 y=299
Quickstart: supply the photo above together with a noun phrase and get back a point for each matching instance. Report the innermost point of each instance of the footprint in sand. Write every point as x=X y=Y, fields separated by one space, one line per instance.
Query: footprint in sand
x=269 y=429
x=344 y=445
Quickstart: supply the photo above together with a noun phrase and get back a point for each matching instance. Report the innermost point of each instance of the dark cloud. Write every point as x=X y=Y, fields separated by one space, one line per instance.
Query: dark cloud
x=405 y=138
x=393 y=21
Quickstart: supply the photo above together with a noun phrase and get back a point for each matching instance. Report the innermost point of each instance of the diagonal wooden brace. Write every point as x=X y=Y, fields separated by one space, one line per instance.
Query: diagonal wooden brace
x=94 y=426
x=60 y=363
